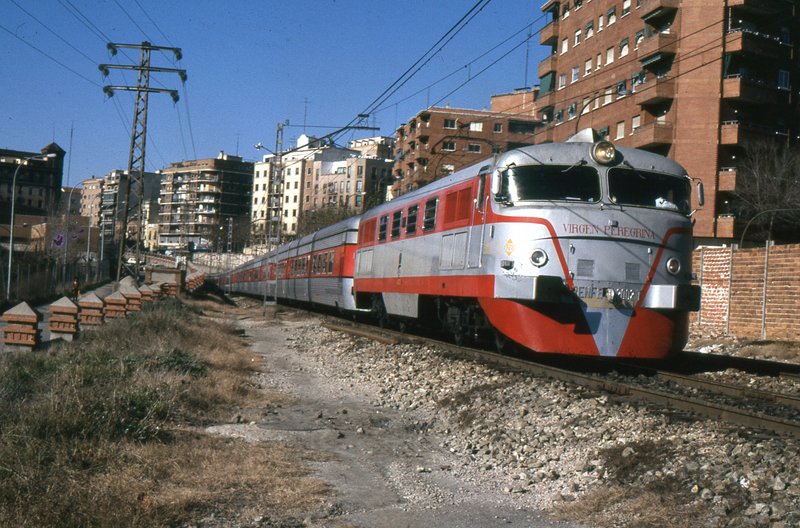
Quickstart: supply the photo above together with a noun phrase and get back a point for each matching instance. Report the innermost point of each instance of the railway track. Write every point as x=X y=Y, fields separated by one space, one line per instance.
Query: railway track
x=736 y=404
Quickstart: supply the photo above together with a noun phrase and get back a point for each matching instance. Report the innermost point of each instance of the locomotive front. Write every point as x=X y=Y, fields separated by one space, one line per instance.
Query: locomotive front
x=591 y=247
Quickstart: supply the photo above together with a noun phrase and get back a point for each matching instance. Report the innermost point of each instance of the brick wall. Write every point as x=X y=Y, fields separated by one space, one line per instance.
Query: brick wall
x=740 y=299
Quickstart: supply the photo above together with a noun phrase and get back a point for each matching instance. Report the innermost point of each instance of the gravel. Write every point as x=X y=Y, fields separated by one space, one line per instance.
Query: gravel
x=580 y=454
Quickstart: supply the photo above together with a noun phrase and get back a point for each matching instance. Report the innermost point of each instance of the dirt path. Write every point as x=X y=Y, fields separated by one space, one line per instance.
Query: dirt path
x=383 y=472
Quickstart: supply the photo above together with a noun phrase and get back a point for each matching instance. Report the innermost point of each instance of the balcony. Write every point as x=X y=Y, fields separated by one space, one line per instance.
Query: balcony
x=758 y=44
x=653 y=135
x=657 y=47
x=654 y=9
x=753 y=90
x=549 y=34
x=545 y=100
x=550 y=64
x=655 y=91
x=736 y=132
x=725 y=226
x=727 y=179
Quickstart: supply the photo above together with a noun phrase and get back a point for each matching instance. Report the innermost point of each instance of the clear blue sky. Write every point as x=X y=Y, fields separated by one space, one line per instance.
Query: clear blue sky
x=250 y=65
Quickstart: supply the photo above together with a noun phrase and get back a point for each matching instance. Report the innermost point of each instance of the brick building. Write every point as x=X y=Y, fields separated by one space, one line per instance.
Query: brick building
x=438 y=141
x=694 y=80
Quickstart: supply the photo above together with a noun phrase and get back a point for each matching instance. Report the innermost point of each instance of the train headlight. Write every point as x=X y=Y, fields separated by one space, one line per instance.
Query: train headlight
x=604 y=152
x=673 y=266
x=538 y=258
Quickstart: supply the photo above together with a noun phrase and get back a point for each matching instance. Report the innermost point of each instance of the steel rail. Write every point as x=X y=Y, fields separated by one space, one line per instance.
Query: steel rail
x=703 y=408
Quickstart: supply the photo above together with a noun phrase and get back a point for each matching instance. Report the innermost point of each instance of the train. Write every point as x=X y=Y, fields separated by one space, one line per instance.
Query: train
x=580 y=248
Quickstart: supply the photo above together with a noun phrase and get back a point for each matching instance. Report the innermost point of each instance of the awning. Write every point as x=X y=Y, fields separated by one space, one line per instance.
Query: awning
x=652 y=59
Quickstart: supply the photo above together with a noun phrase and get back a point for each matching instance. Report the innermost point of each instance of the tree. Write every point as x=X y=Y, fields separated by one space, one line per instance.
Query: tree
x=315 y=220
x=768 y=191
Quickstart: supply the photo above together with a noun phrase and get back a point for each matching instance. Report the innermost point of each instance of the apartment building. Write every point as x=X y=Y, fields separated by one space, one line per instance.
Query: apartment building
x=317 y=174
x=91 y=199
x=112 y=203
x=695 y=80
x=201 y=200
x=38 y=182
x=438 y=141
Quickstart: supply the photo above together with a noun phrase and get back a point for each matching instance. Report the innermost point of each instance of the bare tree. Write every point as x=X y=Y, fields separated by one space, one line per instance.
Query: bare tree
x=768 y=191
x=311 y=221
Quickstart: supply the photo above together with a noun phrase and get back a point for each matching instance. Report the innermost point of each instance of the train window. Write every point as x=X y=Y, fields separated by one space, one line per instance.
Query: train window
x=330 y=262
x=411 y=224
x=481 y=191
x=429 y=222
x=649 y=189
x=572 y=183
x=396 y=217
x=382 y=227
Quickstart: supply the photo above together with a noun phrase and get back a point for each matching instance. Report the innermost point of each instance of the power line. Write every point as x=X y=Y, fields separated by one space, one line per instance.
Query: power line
x=48 y=56
x=132 y=20
x=62 y=39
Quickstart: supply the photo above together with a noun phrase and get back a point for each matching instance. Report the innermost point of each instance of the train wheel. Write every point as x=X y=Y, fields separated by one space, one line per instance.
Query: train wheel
x=379 y=312
x=501 y=342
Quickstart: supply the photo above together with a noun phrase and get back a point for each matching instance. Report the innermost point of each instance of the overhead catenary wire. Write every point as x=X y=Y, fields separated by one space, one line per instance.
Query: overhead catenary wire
x=429 y=54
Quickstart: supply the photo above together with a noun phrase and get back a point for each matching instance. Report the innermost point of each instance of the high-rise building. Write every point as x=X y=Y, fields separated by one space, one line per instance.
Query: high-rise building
x=112 y=203
x=694 y=80
x=204 y=201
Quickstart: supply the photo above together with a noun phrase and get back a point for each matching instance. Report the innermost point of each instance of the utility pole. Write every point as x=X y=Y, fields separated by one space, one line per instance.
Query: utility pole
x=136 y=155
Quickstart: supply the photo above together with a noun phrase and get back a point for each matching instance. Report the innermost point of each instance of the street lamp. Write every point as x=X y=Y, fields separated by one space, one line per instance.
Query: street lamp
x=66 y=237
x=20 y=162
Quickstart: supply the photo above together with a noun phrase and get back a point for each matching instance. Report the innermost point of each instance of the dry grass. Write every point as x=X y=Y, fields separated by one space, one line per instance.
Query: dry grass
x=94 y=433
x=659 y=502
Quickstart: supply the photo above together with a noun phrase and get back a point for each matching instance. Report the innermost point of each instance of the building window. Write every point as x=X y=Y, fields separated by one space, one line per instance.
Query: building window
x=575 y=74
x=599 y=60
x=597 y=100
x=626 y=7
x=623 y=47
x=784 y=80
x=609 y=55
x=608 y=96
x=476 y=127
x=587 y=68
x=635 y=123
x=449 y=123
x=474 y=147
x=448 y=168
x=564 y=46
x=577 y=37
x=572 y=110
x=612 y=15
x=565 y=11
x=600 y=23
x=449 y=146
x=638 y=38
x=578 y=4
x=620 y=130
x=559 y=117
x=585 y=106
x=622 y=89
x=590 y=29
x=498 y=127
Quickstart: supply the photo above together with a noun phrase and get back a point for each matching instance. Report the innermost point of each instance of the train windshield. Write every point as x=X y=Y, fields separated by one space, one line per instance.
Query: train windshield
x=574 y=183
x=649 y=189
